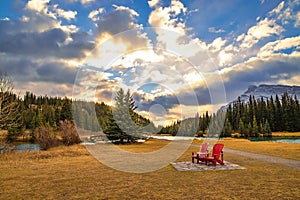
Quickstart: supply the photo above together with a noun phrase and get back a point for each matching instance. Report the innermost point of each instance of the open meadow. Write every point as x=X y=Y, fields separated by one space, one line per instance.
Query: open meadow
x=72 y=173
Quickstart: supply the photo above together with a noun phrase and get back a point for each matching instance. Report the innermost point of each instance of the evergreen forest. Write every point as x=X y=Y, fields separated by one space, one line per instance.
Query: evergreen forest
x=257 y=117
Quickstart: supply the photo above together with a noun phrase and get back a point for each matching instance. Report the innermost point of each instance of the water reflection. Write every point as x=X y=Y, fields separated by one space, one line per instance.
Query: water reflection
x=284 y=140
x=27 y=147
x=19 y=147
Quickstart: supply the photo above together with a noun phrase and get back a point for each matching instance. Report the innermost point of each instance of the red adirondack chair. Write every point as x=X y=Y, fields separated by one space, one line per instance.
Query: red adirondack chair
x=199 y=156
x=217 y=152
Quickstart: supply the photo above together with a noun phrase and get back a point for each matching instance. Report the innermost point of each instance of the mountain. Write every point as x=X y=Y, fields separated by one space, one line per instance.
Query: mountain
x=266 y=91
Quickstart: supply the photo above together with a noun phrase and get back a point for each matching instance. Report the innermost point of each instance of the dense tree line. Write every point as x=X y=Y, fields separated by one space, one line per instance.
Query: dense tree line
x=120 y=123
x=264 y=115
x=254 y=118
x=43 y=110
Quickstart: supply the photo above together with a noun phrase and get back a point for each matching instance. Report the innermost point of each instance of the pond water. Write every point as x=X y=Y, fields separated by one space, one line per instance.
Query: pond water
x=20 y=147
x=25 y=147
x=284 y=140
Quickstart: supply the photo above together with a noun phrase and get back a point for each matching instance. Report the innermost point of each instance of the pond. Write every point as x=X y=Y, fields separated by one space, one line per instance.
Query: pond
x=20 y=147
x=284 y=140
x=25 y=147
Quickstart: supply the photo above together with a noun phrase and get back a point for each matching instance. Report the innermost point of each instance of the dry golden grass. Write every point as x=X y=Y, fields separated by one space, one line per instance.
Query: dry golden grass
x=150 y=145
x=71 y=173
x=286 y=134
x=283 y=150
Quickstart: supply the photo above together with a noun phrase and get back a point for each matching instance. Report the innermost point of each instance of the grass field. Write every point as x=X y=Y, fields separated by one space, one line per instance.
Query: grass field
x=72 y=173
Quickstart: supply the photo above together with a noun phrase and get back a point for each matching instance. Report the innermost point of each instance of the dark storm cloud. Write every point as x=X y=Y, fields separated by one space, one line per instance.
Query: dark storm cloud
x=270 y=71
x=22 y=67
x=121 y=23
x=49 y=43
x=31 y=49
x=197 y=97
x=56 y=72
x=32 y=43
x=116 y=22
x=25 y=70
x=167 y=102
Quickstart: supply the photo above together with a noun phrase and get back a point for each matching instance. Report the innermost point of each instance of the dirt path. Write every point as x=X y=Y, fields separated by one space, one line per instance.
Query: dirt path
x=273 y=159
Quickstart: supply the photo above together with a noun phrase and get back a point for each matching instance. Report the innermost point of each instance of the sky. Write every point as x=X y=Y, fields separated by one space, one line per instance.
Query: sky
x=177 y=57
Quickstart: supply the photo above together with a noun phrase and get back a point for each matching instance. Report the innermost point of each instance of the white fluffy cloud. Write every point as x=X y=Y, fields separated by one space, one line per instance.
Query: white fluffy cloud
x=278 y=9
x=38 y=5
x=124 y=8
x=167 y=17
x=264 y=28
x=153 y=3
x=173 y=56
x=94 y=15
x=68 y=15
x=272 y=48
x=217 y=44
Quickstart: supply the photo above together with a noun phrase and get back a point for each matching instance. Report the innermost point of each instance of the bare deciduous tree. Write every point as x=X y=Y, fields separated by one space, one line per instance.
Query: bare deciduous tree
x=9 y=105
x=45 y=137
x=69 y=133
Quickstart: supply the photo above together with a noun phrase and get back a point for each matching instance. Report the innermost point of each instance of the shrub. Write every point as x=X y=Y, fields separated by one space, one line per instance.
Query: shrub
x=12 y=135
x=45 y=137
x=69 y=133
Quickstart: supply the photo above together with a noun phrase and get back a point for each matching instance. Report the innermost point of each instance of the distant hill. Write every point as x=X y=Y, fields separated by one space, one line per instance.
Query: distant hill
x=266 y=91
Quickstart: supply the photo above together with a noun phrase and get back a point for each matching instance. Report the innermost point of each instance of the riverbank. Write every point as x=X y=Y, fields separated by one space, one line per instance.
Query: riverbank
x=72 y=173
x=286 y=134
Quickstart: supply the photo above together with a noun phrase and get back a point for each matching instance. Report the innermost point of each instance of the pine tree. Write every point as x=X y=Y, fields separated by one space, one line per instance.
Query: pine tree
x=278 y=115
x=241 y=128
x=271 y=111
x=266 y=131
x=250 y=129
x=255 y=128
x=121 y=123
x=66 y=111
x=227 y=128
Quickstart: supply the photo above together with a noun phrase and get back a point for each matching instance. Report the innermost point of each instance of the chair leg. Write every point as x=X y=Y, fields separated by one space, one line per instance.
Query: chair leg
x=192 y=157
x=220 y=162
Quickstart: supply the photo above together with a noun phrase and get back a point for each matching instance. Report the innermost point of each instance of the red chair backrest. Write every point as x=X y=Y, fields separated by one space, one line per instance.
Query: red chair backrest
x=203 y=149
x=217 y=149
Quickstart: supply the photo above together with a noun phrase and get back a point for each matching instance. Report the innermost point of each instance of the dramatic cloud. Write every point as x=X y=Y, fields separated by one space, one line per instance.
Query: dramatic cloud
x=166 y=18
x=273 y=70
x=38 y=5
x=38 y=49
x=181 y=64
x=276 y=47
x=264 y=28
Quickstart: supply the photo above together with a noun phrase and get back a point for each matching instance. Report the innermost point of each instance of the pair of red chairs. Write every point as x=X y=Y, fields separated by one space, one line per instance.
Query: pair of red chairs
x=203 y=155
